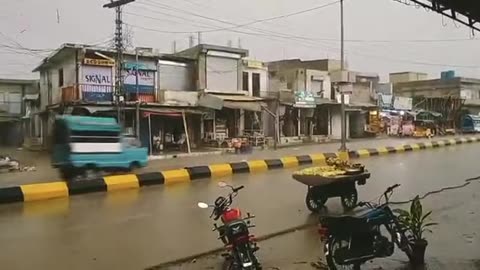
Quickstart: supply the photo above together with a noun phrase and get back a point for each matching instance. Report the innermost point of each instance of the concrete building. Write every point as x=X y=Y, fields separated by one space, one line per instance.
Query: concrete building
x=204 y=83
x=19 y=118
x=407 y=76
x=308 y=92
x=79 y=79
x=460 y=87
x=300 y=90
x=231 y=90
x=446 y=95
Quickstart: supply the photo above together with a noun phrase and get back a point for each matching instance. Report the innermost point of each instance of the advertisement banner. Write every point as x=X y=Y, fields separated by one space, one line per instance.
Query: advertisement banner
x=304 y=99
x=402 y=103
x=97 y=83
x=146 y=81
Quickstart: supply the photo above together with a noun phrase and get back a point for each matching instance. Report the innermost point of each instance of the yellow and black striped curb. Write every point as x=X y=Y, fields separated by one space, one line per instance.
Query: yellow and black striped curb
x=43 y=191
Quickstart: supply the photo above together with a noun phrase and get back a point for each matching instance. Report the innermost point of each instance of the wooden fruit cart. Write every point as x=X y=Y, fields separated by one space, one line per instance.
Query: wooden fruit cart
x=321 y=188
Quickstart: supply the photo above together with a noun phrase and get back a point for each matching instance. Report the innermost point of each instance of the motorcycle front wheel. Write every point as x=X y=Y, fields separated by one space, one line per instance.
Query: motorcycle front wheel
x=331 y=246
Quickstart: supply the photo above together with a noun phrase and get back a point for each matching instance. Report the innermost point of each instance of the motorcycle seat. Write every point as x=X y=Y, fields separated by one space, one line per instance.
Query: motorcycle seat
x=357 y=219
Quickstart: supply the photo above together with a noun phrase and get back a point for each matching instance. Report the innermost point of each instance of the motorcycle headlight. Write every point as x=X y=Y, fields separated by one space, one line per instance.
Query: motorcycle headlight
x=247 y=264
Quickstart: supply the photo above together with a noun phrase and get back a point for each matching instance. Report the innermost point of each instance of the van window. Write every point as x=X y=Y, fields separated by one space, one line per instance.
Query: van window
x=95 y=136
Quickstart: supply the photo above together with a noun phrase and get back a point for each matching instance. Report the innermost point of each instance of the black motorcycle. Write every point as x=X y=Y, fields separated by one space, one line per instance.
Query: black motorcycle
x=234 y=232
x=352 y=240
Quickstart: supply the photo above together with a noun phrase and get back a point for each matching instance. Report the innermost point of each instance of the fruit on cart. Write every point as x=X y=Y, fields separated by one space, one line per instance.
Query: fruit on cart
x=340 y=164
x=324 y=171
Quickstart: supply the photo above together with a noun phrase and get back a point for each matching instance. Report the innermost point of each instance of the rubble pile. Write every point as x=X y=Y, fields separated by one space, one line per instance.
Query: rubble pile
x=8 y=164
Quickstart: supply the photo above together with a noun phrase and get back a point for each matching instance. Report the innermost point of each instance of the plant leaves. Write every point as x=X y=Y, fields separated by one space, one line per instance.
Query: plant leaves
x=426 y=216
x=416 y=208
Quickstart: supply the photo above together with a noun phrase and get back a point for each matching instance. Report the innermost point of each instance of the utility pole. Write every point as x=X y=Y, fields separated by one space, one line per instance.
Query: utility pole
x=199 y=37
x=137 y=111
x=343 y=145
x=119 y=47
x=174 y=46
x=191 y=41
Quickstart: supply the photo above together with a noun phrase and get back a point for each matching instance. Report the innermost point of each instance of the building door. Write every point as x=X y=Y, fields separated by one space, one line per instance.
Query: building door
x=256 y=84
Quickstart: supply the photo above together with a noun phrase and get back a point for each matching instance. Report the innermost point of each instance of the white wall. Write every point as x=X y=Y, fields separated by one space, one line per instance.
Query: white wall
x=311 y=75
x=69 y=79
x=263 y=79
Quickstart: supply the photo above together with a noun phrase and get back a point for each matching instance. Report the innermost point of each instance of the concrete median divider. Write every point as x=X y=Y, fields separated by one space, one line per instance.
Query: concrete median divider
x=59 y=189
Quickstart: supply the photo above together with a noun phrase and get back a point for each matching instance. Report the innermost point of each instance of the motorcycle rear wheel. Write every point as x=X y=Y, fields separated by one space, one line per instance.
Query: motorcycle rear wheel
x=330 y=247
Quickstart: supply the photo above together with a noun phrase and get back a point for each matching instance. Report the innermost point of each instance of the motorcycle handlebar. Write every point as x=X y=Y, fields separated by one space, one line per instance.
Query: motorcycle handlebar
x=238 y=188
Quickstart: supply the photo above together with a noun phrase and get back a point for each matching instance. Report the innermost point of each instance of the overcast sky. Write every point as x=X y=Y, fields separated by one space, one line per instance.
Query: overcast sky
x=382 y=35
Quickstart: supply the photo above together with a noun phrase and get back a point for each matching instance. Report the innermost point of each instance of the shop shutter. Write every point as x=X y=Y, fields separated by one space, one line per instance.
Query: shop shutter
x=222 y=74
x=176 y=77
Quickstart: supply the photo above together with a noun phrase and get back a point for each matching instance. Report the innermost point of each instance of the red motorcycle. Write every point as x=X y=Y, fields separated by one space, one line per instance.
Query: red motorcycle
x=234 y=231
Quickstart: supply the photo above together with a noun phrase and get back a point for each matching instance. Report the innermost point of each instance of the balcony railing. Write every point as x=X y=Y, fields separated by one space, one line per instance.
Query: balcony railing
x=99 y=93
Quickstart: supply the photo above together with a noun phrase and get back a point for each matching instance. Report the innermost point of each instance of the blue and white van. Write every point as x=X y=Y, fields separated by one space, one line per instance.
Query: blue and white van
x=84 y=144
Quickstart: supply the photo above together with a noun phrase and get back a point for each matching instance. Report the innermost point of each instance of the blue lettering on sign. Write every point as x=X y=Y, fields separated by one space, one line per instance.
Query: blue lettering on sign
x=97 y=79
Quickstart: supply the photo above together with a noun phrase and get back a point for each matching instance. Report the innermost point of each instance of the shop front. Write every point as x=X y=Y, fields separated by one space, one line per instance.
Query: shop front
x=170 y=130
x=298 y=117
x=232 y=119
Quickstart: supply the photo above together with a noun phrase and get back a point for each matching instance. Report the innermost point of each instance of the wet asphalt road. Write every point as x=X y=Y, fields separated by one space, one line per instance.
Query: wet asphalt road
x=142 y=228
x=302 y=250
x=45 y=172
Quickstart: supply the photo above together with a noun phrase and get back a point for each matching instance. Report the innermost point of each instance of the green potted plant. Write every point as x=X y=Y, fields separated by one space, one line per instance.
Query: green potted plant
x=417 y=223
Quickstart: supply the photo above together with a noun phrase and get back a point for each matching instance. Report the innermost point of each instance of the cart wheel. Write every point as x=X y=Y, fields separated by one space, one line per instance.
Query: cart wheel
x=315 y=200
x=349 y=201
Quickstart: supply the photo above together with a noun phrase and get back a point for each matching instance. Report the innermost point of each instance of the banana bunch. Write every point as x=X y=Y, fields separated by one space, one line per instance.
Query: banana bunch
x=338 y=163
x=325 y=171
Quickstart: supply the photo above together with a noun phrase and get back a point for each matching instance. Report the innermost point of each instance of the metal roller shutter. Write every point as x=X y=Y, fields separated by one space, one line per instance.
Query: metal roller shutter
x=222 y=74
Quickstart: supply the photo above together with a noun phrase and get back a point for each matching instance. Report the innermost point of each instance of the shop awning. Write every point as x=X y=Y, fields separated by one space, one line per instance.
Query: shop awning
x=31 y=97
x=170 y=111
x=362 y=105
x=232 y=102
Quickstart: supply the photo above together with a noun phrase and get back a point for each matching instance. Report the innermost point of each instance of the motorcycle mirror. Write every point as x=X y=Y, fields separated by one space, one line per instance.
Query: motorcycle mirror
x=202 y=205
x=222 y=184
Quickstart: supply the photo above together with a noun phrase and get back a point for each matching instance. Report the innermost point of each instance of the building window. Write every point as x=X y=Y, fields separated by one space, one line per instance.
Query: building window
x=256 y=84
x=245 y=81
x=60 y=77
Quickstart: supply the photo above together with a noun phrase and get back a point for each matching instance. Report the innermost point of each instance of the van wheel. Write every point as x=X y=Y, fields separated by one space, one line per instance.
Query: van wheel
x=91 y=171
x=134 y=166
x=67 y=174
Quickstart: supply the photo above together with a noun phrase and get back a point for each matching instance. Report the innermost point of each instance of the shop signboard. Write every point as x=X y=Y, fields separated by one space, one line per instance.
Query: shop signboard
x=146 y=79
x=254 y=64
x=98 y=62
x=97 y=82
x=402 y=103
x=304 y=99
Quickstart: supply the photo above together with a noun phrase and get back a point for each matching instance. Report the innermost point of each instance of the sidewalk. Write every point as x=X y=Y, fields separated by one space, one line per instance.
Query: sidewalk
x=45 y=173
x=453 y=245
